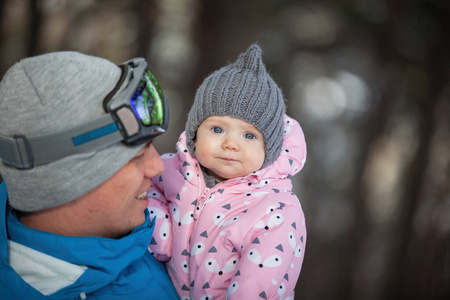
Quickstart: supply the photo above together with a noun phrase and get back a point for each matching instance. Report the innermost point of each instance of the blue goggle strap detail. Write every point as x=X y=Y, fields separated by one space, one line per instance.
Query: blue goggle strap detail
x=24 y=153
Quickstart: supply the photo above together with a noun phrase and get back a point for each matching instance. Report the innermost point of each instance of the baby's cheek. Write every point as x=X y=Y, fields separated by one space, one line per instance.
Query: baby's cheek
x=202 y=155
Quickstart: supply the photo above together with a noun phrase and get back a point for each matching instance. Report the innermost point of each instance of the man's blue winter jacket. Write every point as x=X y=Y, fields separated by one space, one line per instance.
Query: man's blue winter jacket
x=107 y=268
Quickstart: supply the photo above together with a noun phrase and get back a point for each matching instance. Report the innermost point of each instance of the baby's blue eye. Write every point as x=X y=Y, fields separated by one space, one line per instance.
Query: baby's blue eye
x=217 y=130
x=250 y=136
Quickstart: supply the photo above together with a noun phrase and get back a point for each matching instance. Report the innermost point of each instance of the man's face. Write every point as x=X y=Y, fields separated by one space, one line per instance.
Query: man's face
x=117 y=206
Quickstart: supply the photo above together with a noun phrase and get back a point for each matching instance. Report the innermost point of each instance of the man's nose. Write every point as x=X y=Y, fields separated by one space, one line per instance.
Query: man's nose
x=154 y=165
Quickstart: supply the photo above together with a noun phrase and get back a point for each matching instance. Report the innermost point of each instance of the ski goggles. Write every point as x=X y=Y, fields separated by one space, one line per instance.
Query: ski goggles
x=140 y=108
x=136 y=111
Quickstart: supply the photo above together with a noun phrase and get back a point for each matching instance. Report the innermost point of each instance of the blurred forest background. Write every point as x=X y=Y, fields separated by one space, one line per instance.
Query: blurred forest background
x=368 y=81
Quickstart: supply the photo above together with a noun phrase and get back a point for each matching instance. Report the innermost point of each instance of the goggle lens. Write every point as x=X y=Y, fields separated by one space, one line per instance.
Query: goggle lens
x=148 y=101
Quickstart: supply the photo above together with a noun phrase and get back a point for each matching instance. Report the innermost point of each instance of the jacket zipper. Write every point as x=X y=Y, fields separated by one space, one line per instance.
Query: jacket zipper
x=203 y=199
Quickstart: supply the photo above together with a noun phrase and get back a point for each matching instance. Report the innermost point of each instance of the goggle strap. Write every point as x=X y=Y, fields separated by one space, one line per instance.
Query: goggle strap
x=24 y=153
x=15 y=151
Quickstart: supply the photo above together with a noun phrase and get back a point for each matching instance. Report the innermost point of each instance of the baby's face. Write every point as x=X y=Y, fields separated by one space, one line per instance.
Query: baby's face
x=229 y=147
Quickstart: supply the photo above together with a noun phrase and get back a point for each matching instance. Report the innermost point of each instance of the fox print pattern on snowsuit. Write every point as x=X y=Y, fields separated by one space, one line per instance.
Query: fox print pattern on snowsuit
x=244 y=238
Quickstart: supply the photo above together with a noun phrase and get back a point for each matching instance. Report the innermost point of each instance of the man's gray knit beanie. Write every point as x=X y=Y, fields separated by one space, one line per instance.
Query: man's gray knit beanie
x=246 y=91
x=51 y=93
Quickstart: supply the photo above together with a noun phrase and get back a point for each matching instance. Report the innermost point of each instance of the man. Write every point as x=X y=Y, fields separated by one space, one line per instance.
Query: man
x=76 y=157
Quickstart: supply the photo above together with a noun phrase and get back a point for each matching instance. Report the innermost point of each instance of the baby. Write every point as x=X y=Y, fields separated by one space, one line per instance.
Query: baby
x=226 y=220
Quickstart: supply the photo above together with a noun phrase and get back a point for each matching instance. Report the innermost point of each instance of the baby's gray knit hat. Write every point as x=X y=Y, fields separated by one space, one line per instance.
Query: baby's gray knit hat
x=47 y=94
x=246 y=91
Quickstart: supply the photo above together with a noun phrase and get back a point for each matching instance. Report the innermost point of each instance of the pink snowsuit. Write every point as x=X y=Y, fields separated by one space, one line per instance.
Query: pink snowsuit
x=242 y=239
